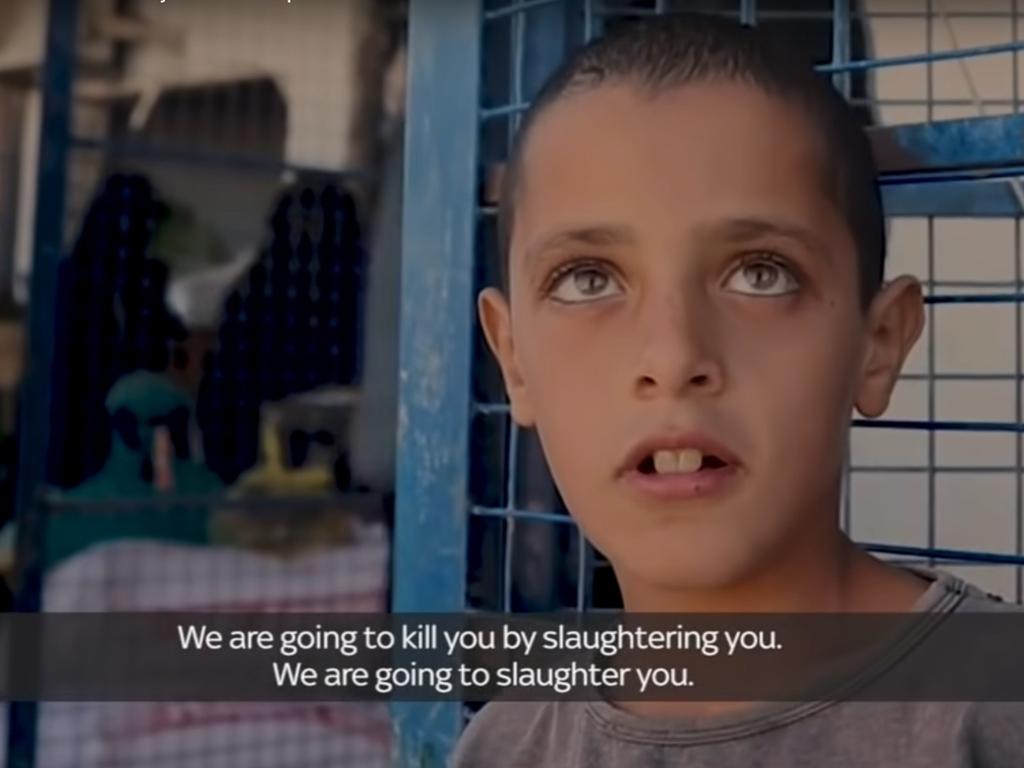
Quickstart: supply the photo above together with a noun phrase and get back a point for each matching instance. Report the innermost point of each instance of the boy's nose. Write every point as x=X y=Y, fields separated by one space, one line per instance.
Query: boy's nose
x=678 y=355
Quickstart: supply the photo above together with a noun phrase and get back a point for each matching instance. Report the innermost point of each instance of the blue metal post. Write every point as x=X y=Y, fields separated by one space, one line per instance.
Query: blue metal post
x=34 y=426
x=748 y=11
x=432 y=484
x=552 y=33
x=49 y=232
x=950 y=146
x=841 y=45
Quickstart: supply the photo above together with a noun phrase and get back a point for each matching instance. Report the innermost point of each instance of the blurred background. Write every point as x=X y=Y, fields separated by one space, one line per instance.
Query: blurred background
x=226 y=226
x=191 y=194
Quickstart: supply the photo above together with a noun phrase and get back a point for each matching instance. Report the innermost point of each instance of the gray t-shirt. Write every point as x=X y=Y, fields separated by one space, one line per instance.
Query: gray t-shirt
x=850 y=734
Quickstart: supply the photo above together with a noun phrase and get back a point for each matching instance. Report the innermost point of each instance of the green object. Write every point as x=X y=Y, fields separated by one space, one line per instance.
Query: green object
x=147 y=396
x=77 y=521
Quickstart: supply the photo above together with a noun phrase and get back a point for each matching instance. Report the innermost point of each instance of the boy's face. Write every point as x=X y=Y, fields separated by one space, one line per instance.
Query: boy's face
x=681 y=279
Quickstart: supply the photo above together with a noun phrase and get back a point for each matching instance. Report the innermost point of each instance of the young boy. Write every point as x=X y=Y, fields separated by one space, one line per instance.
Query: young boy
x=695 y=307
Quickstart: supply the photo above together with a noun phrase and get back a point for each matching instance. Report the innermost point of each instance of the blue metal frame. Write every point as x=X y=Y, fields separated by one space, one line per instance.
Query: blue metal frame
x=993 y=199
x=982 y=142
x=34 y=427
x=49 y=246
x=436 y=343
x=925 y=58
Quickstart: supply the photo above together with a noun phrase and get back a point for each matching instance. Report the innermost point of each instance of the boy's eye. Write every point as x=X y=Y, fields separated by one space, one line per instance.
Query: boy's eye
x=762 y=277
x=583 y=283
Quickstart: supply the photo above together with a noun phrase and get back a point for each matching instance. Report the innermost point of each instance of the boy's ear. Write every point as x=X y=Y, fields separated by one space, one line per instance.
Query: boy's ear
x=496 y=321
x=894 y=324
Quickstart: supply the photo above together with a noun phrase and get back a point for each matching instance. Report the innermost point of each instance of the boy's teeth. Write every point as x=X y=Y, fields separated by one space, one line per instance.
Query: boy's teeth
x=669 y=462
x=666 y=462
x=690 y=460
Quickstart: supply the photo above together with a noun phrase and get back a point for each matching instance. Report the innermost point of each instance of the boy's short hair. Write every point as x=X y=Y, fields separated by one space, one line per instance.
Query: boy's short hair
x=669 y=51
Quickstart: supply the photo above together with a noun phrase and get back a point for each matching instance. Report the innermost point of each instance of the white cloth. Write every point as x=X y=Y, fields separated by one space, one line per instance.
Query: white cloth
x=161 y=576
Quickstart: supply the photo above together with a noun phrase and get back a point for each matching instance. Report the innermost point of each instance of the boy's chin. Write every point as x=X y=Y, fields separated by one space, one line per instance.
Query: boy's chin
x=684 y=571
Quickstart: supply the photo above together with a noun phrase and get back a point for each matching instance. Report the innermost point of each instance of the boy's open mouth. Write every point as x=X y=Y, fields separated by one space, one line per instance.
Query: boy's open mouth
x=675 y=466
x=684 y=461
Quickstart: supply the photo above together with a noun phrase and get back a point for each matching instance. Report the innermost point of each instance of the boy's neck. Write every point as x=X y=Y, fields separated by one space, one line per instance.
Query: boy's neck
x=822 y=572
x=826 y=574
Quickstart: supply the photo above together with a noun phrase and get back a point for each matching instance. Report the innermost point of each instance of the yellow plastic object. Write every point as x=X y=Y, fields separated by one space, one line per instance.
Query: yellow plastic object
x=271 y=476
x=284 y=530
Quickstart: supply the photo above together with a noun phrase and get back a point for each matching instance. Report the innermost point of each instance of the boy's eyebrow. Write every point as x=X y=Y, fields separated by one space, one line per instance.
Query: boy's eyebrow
x=734 y=230
x=749 y=228
x=586 y=236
